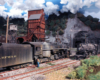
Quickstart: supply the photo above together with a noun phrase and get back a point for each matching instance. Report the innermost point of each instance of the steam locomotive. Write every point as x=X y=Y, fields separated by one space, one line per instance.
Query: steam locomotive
x=20 y=55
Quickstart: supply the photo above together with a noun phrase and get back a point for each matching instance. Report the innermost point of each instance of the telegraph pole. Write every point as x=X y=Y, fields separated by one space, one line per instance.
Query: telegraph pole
x=7 y=29
x=70 y=41
x=85 y=38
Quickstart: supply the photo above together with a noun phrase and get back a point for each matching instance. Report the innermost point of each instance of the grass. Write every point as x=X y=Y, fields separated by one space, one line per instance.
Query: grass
x=51 y=64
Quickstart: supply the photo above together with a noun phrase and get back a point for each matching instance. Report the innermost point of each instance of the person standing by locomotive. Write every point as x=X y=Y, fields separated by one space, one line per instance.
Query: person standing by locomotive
x=38 y=64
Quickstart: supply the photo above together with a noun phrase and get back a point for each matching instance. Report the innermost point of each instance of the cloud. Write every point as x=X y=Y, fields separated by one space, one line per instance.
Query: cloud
x=75 y=5
x=93 y=14
x=72 y=5
x=51 y=8
x=18 y=6
x=9 y=2
x=29 y=4
x=17 y=13
x=2 y=8
x=2 y=2
x=37 y=4
x=98 y=4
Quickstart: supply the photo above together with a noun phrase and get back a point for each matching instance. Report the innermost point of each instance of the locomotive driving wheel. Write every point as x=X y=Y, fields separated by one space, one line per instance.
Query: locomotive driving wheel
x=86 y=55
x=55 y=56
x=52 y=57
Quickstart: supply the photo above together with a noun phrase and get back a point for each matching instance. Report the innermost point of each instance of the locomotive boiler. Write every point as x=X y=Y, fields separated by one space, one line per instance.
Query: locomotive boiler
x=47 y=51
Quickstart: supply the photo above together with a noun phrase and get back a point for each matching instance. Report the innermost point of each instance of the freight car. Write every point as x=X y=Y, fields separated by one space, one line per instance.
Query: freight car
x=19 y=55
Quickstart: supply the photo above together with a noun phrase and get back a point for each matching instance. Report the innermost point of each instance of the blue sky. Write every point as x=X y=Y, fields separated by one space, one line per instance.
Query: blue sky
x=19 y=8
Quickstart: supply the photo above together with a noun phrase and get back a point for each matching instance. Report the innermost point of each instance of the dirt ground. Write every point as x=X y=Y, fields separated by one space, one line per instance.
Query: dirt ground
x=58 y=75
x=61 y=74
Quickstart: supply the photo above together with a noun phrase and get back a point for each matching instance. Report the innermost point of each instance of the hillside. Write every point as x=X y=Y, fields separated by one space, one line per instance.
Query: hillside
x=20 y=22
x=68 y=25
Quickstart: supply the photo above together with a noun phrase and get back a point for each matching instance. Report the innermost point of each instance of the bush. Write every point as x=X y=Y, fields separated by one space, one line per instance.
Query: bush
x=54 y=34
x=61 y=32
x=71 y=16
x=98 y=26
x=47 y=32
x=55 y=28
x=88 y=23
x=83 y=19
x=93 y=26
x=89 y=17
x=51 y=23
x=57 y=21
x=88 y=67
x=80 y=15
x=95 y=20
x=46 y=27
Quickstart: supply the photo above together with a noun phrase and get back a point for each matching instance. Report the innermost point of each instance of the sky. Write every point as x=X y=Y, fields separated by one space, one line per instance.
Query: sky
x=19 y=8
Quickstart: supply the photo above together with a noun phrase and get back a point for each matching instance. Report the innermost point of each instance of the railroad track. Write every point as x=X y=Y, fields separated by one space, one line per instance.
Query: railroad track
x=23 y=70
x=23 y=76
x=28 y=72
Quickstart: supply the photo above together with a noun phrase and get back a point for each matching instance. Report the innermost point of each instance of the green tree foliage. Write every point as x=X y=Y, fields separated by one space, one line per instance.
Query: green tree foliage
x=95 y=20
x=18 y=21
x=79 y=15
x=54 y=34
x=61 y=32
x=57 y=21
x=63 y=26
x=88 y=23
x=47 y=32
x=2 y=21
x=93 y=26
x=89 y=17
x=94 y=77
x=71 y=16
x=51 y=23
x=83 y=19
x=46 y=27
x=93 y=23
x=55 y=28
x=87 y=69
x=98 y=26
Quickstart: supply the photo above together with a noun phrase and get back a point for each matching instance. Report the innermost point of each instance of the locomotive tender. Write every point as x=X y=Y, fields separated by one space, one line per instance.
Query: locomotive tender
x=12 y=55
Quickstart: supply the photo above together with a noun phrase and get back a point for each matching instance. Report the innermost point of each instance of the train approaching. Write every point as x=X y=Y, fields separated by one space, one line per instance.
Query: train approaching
x=19 y=55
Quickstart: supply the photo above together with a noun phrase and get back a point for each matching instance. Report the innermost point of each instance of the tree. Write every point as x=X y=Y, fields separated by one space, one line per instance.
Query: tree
x=95 y=20
x=98 y=26
x=89 y=17
x=54 y=34
x=79 y=15
x=71 y=16
x=2 y=21
x=83 y=19
x=93 y=26
x=61 y=32
x=88 y=23
x=47 y=32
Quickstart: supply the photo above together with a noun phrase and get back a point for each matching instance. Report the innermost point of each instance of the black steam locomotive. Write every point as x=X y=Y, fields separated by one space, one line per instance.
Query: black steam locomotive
x=20 y=55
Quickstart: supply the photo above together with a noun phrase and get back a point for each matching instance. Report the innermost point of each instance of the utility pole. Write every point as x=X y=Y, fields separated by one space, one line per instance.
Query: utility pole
x=70 y=41
x=7 y=29
x=85 y=38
